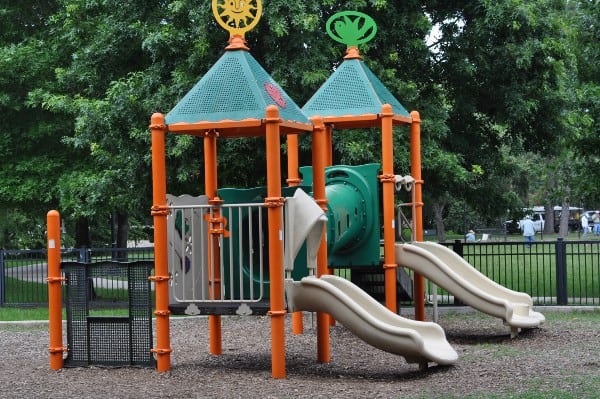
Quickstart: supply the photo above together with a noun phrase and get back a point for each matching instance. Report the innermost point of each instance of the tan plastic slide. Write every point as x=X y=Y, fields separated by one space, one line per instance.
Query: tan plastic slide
x=450 y=271
x=418 y=342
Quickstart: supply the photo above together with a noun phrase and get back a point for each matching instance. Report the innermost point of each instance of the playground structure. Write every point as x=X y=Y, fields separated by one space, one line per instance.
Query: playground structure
x=213 y=109
x=270 y=250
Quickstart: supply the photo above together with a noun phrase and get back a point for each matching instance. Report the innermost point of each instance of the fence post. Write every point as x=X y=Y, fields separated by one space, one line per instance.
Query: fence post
x=458 y=249
x=84 y=255
x=561 y=272
x=2 y=286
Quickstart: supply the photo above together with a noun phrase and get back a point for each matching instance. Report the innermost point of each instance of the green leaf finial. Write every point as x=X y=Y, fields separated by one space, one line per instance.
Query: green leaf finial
x=351 y=28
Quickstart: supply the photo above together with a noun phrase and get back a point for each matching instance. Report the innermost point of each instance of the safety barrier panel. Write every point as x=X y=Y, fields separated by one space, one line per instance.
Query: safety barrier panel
x=99 y=330
x=217 y=254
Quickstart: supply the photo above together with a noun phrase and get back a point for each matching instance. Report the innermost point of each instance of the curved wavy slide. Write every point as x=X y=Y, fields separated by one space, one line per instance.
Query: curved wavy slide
x=451 y=272
x=418 y=342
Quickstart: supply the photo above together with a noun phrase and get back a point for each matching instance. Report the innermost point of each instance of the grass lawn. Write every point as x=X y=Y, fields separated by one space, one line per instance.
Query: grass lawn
x=41 y=313
x=22 y=314
x=19 y=291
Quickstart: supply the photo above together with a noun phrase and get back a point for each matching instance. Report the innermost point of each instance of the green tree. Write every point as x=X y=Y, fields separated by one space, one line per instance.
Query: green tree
x=131 y=60
x=89 y=74
x=502 y=64
x=584 y=117
x=33 y=157
x=106 y=89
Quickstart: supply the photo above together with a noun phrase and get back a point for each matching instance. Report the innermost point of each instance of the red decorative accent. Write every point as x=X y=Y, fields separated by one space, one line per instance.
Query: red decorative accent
x=275 y=94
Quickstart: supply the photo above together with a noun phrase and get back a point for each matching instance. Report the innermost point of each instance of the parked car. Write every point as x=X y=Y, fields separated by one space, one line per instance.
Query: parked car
x=512 y=226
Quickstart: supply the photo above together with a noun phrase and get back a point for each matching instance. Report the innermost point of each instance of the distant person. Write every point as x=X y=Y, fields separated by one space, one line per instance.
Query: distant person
x=584 y=224
x=528 y=231
x=470 y=236
x=596 y=220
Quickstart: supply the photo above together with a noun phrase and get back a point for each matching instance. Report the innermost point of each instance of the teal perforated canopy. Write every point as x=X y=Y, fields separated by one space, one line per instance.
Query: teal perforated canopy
x=234 y=89
x=353 y=89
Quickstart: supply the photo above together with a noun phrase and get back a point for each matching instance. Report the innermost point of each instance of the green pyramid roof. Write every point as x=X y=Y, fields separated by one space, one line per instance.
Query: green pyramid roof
x=353 y=89
x=234 y=89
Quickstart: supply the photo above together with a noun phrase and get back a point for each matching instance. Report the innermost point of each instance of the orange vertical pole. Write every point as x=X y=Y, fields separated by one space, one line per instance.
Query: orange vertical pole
x=294 y=180
x=274 y=203
x=329 y=145
x=55 y=280
x=159 y=213
x=210 y=163
x=293 y=163
x=214 y=261
x=329 y=162
x=319 y=159
x=415 y=171
x=389 y=229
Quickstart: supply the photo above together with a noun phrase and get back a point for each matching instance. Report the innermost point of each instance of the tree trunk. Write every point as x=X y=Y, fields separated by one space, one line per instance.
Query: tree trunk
x=548 y=218
x=82 y=233
x=438 y=215
x=122 y=234
x=564 y=220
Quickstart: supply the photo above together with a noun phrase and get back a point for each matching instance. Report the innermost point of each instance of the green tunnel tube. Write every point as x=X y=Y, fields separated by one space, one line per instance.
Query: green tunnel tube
x=352 y=212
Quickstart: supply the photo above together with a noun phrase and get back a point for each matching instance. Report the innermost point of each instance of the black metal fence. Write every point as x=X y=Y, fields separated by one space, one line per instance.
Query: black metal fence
x=24 y=272
x=551 y=272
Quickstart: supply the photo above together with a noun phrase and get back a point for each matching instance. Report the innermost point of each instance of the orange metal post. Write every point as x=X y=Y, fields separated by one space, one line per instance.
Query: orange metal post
x=159 y=213
x=274 y=203
x=329 y=145
x=210 y=163
x=56 y=347
x=214 y=267
x=319 y=159
x=294 y=180
x=292 y=166
x=389 y=229
x=415 y=171
x=329 y=162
